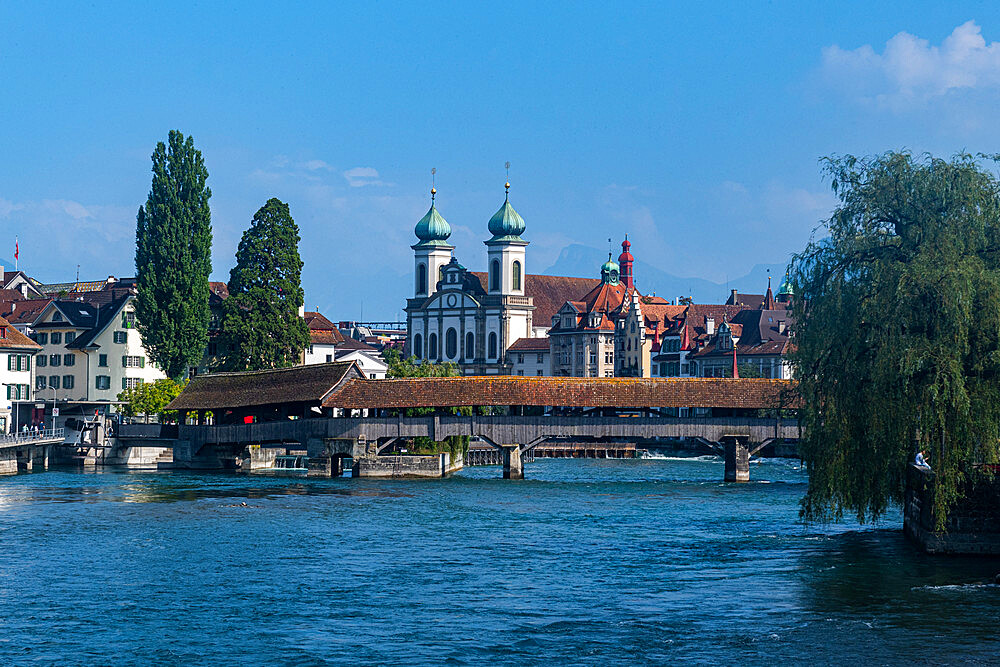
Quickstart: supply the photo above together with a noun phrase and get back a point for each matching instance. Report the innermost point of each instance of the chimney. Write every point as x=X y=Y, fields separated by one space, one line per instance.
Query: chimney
x=710 y=326
x=734 y=297
x=782 y=327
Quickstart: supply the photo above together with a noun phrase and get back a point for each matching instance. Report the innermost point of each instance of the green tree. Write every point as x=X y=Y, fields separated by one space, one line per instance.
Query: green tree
x=898 y=332
x=173 y=257
x=261 y=326
x=150 y=398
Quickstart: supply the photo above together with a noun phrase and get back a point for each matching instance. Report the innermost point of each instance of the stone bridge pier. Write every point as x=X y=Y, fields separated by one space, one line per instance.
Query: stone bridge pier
x=513 y=467
x=736 y=450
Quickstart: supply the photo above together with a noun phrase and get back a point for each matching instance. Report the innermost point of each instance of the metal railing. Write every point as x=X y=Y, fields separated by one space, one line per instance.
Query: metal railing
x=27 y=437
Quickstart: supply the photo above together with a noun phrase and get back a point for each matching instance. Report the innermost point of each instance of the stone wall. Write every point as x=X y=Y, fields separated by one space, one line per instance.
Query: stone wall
x=973 y=526
x=433 y=465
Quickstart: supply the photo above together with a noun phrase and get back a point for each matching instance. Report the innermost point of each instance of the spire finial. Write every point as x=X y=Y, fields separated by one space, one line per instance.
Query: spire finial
x=433 y=189
x=506 y=185
x=769 y=279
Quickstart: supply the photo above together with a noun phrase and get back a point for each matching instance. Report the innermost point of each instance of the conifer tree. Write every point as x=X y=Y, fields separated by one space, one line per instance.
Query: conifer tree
x=261 y=326
x=173 y=257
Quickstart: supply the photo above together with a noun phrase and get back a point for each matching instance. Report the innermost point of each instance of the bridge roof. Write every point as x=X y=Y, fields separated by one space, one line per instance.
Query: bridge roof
x=563 y=392
x=298 y=384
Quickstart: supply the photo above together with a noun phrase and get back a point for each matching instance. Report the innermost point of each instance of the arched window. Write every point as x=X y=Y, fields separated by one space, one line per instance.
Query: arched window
x=495 y=276
x=451 y=343
x=493 y=346
x=418 y=346
x=421 y=279
x=432 y=348
x=470 y=346
x=516 y=276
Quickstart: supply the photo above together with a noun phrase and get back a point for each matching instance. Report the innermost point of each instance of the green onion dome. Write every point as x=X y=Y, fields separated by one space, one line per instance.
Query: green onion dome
x=506 y=223
x=786 y=287
x=432 y=227
x=610 y=265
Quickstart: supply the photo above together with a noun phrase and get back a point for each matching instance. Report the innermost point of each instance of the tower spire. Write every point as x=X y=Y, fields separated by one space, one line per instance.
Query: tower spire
x=433 y=189
x=506 y=185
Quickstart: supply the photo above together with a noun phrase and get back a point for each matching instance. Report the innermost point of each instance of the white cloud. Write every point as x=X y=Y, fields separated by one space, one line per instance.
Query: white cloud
x=361 y=176
x=912 y=70
x=313 y=165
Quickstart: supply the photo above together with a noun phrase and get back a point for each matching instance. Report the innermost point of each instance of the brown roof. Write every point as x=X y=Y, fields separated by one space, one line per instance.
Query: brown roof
x=564 y=392
x=320 y=337
x=315 y=320
x=549 y=293
x=219 y=289
x=15 y=338
x=23 y=311
x=308 y=384
x=529 y=345
x=351 y=344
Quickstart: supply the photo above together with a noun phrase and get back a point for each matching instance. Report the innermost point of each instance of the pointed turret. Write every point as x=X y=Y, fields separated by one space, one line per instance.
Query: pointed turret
x=625 y=261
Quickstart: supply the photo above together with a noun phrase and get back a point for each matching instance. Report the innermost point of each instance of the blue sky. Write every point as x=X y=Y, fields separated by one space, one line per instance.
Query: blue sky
x=696 y=129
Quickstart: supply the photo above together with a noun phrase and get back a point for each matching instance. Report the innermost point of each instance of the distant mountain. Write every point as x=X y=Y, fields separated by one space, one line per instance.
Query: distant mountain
x=580 y=260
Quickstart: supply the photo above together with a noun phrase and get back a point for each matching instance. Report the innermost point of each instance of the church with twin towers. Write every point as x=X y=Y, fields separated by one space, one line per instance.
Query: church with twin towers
x=471 y=318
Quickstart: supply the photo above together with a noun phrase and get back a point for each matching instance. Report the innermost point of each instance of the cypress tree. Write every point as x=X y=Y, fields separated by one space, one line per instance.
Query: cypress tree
x=261 y=326
x=173 y=257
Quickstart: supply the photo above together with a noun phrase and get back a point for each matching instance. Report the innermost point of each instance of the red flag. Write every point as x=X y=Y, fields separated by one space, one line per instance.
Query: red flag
x=685 y=340
x=736 y=371
x=16 y=248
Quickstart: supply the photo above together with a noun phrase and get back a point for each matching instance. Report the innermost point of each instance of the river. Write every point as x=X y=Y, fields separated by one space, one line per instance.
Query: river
x=601 y=562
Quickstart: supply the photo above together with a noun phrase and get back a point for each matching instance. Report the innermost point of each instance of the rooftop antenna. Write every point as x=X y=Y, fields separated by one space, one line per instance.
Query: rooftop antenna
x=506 y=185
x=433 y=189
x=77 y=277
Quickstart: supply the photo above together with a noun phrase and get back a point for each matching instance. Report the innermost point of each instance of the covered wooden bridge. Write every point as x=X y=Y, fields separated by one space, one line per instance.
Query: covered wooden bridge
x=332 y=411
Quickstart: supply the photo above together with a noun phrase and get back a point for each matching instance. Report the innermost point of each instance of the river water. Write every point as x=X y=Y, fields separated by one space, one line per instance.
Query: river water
x=585 y=562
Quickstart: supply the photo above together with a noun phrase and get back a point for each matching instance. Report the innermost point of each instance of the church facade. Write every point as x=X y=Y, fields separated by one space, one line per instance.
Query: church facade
x=470 y=318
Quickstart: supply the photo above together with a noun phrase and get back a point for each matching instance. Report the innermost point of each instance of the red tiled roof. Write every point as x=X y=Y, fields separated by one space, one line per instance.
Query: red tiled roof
x=23 y=311
x=351 y=344
x=563 y=392
x=549 y=293
x=529 y=345
x=15 y=339
x=320 y=337
x=219 y=289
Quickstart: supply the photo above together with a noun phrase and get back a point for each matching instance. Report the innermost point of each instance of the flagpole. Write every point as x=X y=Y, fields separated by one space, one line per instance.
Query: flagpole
x=16 y=252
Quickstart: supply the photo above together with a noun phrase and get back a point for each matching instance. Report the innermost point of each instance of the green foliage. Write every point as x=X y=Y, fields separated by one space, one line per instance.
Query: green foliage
x=261 y=327
x=898 y=332
x=747 y=370
x=173 y=257
x=150 y=398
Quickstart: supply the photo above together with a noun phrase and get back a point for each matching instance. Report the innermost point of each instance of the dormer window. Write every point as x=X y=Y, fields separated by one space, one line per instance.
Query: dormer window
x=710 y=325
x=57 y=316
x=3 y=332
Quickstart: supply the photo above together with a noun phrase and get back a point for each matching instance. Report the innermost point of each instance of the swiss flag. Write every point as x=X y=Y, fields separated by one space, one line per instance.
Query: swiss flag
x=16 y=248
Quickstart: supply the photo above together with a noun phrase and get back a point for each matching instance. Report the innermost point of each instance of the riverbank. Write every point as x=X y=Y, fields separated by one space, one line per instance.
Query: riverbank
x=586 y=561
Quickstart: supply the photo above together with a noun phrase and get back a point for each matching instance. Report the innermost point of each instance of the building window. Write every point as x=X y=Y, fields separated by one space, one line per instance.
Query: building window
x=128 y=320
x=432 y=349
x=133 y=362
x=329 y=358
x=541 y=372
x=56 y=337
x=42 y=361
x=54 y=381
x=18 y=362
x=70 y=337
x=103 y=382
x=470 y=346
x=495 y=276
x=67 y=381
x=593 y=356
x=57 y=316
x=69 y=359
x=40 y=383
x=451 y=343
x=55 y=360
x=42 y=338
x=421 y=279
x=131 y=383
x=520 y=372
x=18 y=392
x=121 y=337
x=102 y=360
x=516 y=276
x=493 y=345
x=418 y=346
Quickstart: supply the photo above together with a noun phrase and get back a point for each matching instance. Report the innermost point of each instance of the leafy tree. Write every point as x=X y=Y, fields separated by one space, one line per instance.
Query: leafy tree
x=150 y=398
x=173 y=257
x=746 y=370
x=898 y=332
x=261 y=326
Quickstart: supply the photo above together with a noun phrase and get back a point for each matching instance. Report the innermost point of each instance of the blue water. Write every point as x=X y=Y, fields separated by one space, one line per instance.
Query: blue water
x=586 y=562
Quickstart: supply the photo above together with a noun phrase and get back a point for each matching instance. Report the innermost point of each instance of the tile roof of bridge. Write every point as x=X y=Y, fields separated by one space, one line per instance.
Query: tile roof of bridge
x=298 y=384
x=563 y=392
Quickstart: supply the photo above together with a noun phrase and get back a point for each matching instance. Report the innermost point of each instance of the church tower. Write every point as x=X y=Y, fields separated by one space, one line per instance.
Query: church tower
x=432 y=252
x=505 y=251
x=625 y=262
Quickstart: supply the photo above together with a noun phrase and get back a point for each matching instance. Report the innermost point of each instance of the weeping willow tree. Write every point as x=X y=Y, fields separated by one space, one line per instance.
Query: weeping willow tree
x=898 y=332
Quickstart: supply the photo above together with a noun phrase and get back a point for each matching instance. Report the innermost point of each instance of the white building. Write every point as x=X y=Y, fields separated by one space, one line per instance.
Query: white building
x=530 y=356
x=17 y=353
x=472 y=319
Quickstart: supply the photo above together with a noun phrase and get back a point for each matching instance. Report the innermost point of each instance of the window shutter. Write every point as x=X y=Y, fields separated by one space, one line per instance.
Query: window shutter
x=142 y=362
x=124 y=383
x=10 y=365
x=27 y=363
x=125 y=362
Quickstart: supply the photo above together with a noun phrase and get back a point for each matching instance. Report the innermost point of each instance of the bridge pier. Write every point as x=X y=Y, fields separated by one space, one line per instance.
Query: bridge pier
x=513 y=468
x=737 y=455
